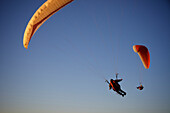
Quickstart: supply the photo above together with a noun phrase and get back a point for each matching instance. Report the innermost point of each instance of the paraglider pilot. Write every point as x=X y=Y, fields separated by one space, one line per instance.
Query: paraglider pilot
x=115 y=86
x=140 y=87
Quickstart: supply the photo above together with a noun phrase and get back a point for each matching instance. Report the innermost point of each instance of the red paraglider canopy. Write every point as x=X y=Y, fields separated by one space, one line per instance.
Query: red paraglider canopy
x=144 y=54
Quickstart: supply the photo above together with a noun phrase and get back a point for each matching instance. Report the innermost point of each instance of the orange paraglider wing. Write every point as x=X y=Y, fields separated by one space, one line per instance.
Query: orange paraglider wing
x=49 y=8
x=143 y=54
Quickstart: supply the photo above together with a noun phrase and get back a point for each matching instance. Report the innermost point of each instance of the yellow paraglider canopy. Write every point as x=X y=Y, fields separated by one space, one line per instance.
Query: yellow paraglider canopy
x=49 y=8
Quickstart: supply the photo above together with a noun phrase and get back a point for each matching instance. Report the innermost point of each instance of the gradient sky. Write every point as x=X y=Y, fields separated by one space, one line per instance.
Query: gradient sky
x=68 y=58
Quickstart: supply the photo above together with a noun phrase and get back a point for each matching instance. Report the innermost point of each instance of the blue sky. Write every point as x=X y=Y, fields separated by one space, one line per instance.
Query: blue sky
x=68 y=58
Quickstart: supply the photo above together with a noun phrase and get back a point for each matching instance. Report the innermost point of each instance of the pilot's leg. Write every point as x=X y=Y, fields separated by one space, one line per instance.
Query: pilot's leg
x=123 y=92
x=120 y=93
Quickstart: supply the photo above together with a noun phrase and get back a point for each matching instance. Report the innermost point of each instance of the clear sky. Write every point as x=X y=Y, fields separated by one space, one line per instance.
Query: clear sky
x=64 y=67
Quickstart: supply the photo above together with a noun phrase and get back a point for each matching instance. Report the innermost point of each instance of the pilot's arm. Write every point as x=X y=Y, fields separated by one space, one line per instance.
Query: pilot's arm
x=118 y=80
x=110 y=87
